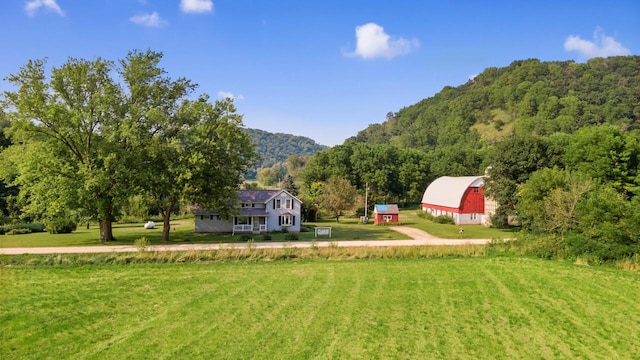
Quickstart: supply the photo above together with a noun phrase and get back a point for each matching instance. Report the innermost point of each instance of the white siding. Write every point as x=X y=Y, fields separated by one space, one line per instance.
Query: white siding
x=203 y=223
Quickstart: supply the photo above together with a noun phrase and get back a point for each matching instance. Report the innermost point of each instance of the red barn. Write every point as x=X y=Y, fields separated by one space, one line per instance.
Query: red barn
x=383 y=213
x=462 y=198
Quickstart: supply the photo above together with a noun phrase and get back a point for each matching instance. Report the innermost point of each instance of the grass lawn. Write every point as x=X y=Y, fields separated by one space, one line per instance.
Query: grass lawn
x=445 y=231
x=347 y=229
x=467 y=308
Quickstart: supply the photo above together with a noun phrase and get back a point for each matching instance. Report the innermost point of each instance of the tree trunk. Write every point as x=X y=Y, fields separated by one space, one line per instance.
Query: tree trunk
x=166 y=224
x=106 y=231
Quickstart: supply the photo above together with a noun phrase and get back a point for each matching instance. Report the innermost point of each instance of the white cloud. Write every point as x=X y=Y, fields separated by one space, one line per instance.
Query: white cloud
x=150 y=20
x=226 y=94
x=601 y=46
x=373 y=42
x=196 y=6
x=32 y=6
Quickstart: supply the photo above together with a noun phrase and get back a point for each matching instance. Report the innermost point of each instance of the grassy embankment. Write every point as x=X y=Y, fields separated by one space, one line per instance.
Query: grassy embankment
x=466 y=308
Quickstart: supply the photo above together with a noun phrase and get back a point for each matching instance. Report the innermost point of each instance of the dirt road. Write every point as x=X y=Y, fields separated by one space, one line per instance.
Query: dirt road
x=419 y=238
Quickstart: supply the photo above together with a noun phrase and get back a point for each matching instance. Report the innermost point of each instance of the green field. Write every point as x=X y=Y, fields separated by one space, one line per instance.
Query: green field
x=466 y=308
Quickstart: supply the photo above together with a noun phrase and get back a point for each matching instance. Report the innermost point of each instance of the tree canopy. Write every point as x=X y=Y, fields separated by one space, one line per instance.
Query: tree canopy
x=95 y=132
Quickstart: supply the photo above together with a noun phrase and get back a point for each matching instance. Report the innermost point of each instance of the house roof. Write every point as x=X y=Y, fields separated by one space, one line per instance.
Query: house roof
x=448 y=190
x=256 y=196
x=385 y=209
x=249 y=196
x=260 y=196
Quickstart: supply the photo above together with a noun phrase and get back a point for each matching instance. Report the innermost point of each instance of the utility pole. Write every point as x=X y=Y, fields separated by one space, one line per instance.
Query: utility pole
x=366 y=202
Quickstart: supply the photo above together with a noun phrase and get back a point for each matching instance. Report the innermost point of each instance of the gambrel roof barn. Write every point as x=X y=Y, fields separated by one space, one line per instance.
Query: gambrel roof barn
x=460 y=197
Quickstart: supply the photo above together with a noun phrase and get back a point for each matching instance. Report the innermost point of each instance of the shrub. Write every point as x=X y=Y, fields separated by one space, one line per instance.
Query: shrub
x=244 y=238
x=129 y=219
x=61 y=226
x=18 y=231
x=31 y=227
x=34 y=227
x=291 y=237
x=266 y=237
x=604 y=249
x=142 y=243
x=444 y=219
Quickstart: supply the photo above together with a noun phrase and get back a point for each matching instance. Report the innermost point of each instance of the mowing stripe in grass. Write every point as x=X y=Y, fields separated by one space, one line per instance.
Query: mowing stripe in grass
x=443 y=308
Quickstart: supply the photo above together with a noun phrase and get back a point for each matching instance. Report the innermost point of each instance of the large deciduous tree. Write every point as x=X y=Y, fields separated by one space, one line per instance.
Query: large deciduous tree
x=200 y=158
x=511 y=163
x=607 y=153
x=338 y=195
x=94 y=133
x=71 y=132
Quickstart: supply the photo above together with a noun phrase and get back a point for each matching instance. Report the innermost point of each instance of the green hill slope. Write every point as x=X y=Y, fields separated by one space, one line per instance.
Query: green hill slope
x=527 y=97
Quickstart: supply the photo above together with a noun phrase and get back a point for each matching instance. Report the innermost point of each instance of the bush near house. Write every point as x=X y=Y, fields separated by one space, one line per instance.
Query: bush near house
x=61 y=226
x=21 y=228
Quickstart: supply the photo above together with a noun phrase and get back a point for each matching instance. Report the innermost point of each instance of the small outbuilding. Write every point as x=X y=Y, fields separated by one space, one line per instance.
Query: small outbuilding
x=386 y=213
x=460 y=197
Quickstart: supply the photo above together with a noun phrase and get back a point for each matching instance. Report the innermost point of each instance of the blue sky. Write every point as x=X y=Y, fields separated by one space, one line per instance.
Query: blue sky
x=321 y=69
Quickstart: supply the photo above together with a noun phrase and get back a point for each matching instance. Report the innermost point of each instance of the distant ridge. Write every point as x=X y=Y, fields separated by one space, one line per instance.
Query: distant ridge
x=275 y=148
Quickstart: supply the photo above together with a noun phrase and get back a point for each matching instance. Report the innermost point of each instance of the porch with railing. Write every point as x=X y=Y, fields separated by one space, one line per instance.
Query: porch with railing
x=245 y=228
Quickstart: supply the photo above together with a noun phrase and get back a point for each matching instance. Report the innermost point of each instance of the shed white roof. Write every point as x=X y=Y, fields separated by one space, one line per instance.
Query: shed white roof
x=448 y=190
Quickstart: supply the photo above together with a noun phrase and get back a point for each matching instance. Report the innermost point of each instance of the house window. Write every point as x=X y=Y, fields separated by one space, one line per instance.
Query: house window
x=277 y=204
x=288 y=204
x=387 y=218
x=248 y=205
x=287 y=220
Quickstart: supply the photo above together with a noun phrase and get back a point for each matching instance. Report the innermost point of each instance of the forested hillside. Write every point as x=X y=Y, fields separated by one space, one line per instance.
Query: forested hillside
x=527 y=97
x=275 y=148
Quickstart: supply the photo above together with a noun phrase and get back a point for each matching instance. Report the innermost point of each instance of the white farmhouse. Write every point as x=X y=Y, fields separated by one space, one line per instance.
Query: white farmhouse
x=257 y=211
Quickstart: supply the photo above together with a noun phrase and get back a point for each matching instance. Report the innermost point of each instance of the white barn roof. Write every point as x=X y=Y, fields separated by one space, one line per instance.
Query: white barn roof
x=448 y=191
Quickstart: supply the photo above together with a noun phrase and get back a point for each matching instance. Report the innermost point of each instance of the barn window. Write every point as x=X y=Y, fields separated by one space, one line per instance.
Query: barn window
x=474 y=216
x=475 y=189
x=387 y=218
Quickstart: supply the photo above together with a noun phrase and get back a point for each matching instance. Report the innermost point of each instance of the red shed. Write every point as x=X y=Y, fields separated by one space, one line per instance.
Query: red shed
x=461 y=197
x=385 y=213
